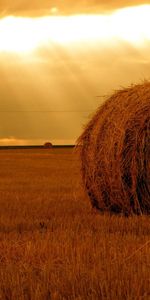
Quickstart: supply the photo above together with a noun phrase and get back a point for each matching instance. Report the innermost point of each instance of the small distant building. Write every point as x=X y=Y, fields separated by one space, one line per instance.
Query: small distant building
x=48 y=145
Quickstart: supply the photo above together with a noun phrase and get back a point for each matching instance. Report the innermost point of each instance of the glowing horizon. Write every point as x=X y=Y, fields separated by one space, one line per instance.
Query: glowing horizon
x=24 y=35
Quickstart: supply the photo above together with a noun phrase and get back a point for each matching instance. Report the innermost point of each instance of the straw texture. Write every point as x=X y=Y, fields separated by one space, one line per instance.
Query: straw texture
x=115 y=152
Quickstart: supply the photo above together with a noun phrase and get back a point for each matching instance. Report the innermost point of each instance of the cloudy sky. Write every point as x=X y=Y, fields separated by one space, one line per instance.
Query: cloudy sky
x=59 y=59
x=40 y=7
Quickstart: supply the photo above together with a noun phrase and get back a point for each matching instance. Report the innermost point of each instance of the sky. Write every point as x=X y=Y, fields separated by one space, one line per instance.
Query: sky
x=59 y=60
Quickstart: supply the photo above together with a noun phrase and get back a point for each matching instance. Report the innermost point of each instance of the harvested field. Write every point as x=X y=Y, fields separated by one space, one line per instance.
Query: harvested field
x=115 y=153
x=53 y=246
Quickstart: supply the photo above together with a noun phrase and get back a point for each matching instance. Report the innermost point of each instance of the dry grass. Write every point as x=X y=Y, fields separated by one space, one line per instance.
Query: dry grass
x=53 y=246
x=115 y=152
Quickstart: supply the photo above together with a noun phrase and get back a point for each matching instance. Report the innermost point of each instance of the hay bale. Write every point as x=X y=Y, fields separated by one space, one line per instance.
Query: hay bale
x=115 y=152
x=48 y=145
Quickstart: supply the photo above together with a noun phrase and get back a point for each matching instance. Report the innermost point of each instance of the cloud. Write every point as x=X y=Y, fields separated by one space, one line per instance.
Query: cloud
x=13 y=141
x=44 y=7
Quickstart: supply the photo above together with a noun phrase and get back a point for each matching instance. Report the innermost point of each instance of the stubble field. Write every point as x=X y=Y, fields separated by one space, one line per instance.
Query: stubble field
x=53 y=246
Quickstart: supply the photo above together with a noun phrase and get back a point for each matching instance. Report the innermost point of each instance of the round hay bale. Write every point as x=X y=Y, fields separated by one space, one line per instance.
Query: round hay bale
x=115 y=152
x=48 y=145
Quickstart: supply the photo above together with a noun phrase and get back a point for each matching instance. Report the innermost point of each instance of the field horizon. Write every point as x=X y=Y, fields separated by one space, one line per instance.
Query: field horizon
x=53 y=245
x=2 y=147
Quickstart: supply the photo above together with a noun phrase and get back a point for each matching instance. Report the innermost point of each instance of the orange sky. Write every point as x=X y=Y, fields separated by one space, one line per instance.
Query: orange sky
x=54 y=66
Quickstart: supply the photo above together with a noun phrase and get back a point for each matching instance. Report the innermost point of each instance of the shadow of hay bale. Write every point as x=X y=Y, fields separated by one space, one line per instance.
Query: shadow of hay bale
x=114 y=150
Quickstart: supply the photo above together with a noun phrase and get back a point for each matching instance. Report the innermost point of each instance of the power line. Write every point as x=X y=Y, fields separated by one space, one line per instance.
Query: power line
x=45 y=111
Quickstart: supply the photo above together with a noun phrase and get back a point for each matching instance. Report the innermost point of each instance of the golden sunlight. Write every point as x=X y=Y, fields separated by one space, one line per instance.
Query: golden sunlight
x=21 y=35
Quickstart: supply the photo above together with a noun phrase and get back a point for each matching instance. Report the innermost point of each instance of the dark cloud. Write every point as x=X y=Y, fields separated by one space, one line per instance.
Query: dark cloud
x=42 y=7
